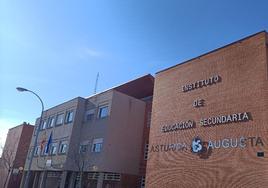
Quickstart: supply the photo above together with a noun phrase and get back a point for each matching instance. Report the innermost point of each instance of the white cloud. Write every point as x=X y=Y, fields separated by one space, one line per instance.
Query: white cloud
x=92 y=53
x=86 y=52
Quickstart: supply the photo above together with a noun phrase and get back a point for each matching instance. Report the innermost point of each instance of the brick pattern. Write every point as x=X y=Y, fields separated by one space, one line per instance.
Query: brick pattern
x=243 y=88
x=17 y=142
x=23 y=146
x=21 y=154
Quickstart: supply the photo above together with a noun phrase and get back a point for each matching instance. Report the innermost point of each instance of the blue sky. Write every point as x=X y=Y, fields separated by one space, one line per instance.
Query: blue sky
x=56 y=48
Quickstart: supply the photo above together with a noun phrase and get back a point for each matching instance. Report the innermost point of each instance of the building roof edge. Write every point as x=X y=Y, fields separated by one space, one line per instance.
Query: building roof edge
x=112 y=88
x=23 y=124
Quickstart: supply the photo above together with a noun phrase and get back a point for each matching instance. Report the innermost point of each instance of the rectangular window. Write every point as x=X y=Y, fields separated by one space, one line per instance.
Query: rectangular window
x=59 y=120
x=37 y=151
x=36 y=129
x=260 y=154
x=63 y=147
x=53 y=149
x=89 y=115
x=93 y=175
x=45 y=152
x=83 y=149
x=97 y=145
x=51 y=122
x=54 y=174
x=44 y=124
x=112 y=176
x=69 y=116
x=103 y=111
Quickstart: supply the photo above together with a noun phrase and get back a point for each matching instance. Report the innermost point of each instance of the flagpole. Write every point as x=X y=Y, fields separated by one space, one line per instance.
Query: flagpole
x=46 y=154
x=49 y=141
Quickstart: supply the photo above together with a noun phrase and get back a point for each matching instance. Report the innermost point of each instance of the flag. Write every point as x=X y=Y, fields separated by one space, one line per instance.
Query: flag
x=48 y=143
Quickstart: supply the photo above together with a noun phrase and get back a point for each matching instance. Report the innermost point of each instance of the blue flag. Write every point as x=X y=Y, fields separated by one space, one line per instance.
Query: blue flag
x=48 y=142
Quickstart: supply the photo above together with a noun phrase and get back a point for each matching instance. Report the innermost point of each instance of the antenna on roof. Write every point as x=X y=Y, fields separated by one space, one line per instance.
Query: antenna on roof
x=96 y=83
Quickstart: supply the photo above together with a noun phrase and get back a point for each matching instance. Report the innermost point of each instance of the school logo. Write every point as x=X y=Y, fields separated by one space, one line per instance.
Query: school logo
x=201 y=148
x=196 y=145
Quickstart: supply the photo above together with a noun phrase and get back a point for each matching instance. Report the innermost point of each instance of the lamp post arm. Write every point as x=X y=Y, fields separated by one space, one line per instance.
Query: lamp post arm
x=26 y=183
x=38 y=98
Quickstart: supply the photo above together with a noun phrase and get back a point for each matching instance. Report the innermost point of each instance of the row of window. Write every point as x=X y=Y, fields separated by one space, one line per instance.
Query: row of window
x=63 y=146
x=58 y=120
x=96 y=146
x=103 y=112
x=68 y=117
x=107 y=176
x=53 y=149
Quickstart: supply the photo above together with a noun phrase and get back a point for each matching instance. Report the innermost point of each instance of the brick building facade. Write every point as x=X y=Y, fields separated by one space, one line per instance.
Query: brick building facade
x=209 y=119
x=14 y=155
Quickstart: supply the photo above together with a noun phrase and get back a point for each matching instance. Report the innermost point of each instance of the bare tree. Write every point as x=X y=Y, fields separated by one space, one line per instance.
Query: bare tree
x=81 y=162
x=7 y=162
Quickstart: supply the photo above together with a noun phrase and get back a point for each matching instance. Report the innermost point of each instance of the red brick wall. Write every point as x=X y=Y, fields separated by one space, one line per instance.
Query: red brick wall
x=267 y=53
x=244 y=88
x=23 y=146
x=19 y=139
x=21 y=154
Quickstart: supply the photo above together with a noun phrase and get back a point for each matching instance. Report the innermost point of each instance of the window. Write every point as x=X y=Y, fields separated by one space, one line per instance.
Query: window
x=143 y=182
x=107 y=176
x=93 y=175
x=63 y=147
x=83 y=149
x=89 y=115
x=45 y=152
x=53 y=149
x=146 y=150
x=51 y=122
x=112 y=176
x=103 y=111
x=37 y=151
x=97 y=145
x=59 y=120
x=69 y=116
x=44 y=124
x=54 y=174
x=260 y=154
x=36 y=129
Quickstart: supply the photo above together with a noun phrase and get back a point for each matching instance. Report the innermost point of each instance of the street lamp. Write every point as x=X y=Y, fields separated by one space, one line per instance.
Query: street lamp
x=27 y=178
